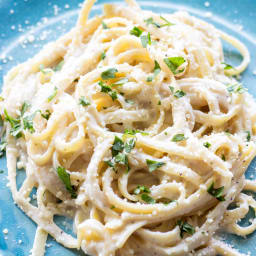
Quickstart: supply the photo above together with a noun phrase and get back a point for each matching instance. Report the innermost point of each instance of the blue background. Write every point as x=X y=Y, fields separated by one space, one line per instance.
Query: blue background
x=21 y=20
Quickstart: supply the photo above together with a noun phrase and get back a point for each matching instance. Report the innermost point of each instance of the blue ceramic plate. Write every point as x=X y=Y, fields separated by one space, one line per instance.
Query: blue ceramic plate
x=26 y=25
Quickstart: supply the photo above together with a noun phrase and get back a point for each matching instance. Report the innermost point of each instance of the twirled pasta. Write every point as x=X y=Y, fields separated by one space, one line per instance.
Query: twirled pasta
x=151 y=152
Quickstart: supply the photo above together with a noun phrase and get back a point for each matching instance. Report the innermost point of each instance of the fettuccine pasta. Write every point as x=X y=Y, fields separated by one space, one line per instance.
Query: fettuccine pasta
x=133 y=126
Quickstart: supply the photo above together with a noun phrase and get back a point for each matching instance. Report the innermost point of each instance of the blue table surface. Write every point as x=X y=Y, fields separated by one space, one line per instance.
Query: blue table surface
x=26 y=25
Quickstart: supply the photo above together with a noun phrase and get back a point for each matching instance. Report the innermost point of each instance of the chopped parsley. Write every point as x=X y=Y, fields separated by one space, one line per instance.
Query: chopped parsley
x=173 y=63
x=16 y=128
x=207 y=144
x=167 y=23
x=171 y=88
x=133 y=132
x=227 y=66
x=148 y=199
x=104 y=25
x=216 y=192
x=150 y=21
x=156 y=71
x=146 y=40
x=84 y=102
x=112 y=207
x=185 y=228
x=153 y=165
x=129 y=145
x=65 y=178
x=107 y=89
x=59 y=66
x=223 y=157
x=103 y=55
x=28 y=122
x=46 y=115
x=25 y=106
x=141 y=189
x=136 y=31
x=178 y=137
x=51 y=97
x=236 y=88
x=248 y=137
x=109 y=74
x=118 y=146
x=179 y=94
x=120 y=151
x=159 y=103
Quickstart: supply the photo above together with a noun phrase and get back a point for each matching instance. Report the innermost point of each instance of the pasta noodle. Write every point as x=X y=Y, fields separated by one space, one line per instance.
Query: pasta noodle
x=132 y=126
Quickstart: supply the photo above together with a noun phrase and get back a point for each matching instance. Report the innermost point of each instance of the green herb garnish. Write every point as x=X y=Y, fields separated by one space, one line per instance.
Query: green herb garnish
x=185 y=228
x=207 y=144
x=146 y=40
x=173 y=63
x=118 y=146
x=65 y=178
x=178 y=137
x=156 y=71
x=59 y=66
x=51 y=97
x=84 y=102
x=103 y=55
x=216 y=192
x=248 y=137
x=153 y=165
x=46 y=115
x=172 y=89
x=167 y=24
x=28 y=122
x=141 y=189
x=227 y=66
x=136 y=31
x=16 y=128
x=129 y=145
x=179 y=94
x=151 y=21
x=104 y=25
x=109 y=74
x=146 y=198
x=107 y=89
x=24 y=108
x=236 y=88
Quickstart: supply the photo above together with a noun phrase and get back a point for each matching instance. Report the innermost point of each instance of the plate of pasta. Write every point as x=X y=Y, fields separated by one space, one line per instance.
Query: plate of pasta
x=128 y=128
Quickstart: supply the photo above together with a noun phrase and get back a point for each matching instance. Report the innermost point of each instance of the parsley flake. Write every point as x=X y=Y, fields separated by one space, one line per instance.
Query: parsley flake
x=146 y=40
x=153 y=165
x=179 y=94
x=129 y=145
x=148 y=199
x=236 y=88
x=207 y=144
x=104 y=25
x=65 y=178
x=173 y=63
x=59 y=66
x=51 y=97
x=16 y=128
x=136 y=31
x=141 y=189
x=109 y=74
x=178 y=137
x=248 y=137
x=157 y=70
x=103 y=55
x=150 y=21
x=167 y=24
x=216 y=192
x=185 y=228
x=227 y=66
x=84 y=102
x=46 y=115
